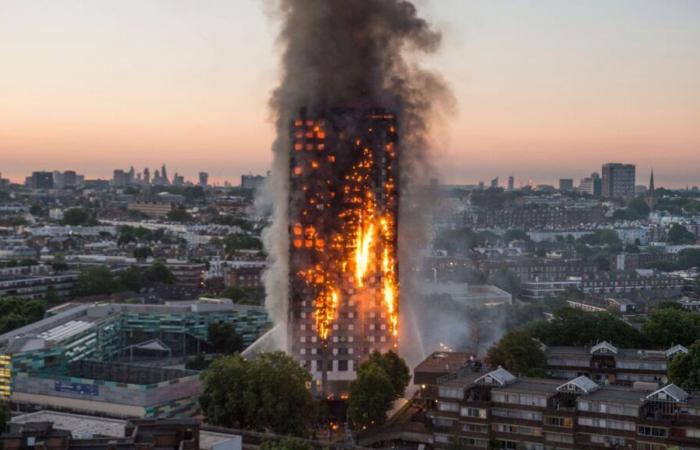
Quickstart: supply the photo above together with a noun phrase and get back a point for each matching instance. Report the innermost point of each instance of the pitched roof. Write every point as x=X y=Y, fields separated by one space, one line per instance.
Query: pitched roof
x=580 y=384
x=499 y=376
x=604 y=347
x=669 y=391
x=675 y=349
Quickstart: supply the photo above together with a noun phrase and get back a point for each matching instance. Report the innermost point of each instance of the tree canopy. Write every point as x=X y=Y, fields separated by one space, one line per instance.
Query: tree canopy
x=574 y=327
x=665 y=327
x=679 y=235
x=287 y=443
x=394 y=366
x=684 y=369
x=17 y=312
x=78 y=216
x=224 y=339
x=268 y=393
x=371 y=396
x=96 y=281
x=518 y=353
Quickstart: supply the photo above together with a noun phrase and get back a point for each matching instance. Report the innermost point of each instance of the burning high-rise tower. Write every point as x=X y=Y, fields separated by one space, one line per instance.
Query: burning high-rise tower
x=350 y=87
x=343 y=210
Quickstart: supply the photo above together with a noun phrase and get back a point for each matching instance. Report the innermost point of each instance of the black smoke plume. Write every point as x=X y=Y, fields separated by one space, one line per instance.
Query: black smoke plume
x=353 y=54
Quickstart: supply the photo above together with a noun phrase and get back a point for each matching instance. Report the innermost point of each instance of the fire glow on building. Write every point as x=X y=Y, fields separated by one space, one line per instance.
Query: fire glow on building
x=343 y=210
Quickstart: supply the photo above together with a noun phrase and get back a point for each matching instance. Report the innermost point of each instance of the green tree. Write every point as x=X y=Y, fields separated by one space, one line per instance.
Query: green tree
x=575 y=327
x=518 y=353
x=268 y=393
x=287 y=443
x=96 y=281
x=132 y=279
x=638 y=209
x=240 y=241
x=223 y=338
x=679 y=235
x=142 y=253
x=508 y=281
x=4 y=414
x=371 y=396
x=77 y=216
x=394 y=366
x=684 y=369
x=158 y=272
x=179 y=215
x=665 y=327
x=17 y=312
x=36 y=210
x=59 y=263
x=244 y=295
x=51 y=297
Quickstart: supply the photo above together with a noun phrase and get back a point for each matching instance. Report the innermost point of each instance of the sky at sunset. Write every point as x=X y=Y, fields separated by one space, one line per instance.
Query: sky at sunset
x=545 y=89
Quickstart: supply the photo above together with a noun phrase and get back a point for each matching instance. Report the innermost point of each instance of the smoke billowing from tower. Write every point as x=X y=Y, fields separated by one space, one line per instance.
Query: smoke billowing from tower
x=350 y=86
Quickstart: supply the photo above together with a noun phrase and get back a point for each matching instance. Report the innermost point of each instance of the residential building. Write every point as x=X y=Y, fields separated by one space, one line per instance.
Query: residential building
x=154 y=209
x=102 y=433
x=566 y=185
x=604 y=283
x=591 y=185
x=606 y=364
x=499 y=410
x=244 y=274
x=618 y=180
x=35 y=281
x=252 y=182
x=40 y=180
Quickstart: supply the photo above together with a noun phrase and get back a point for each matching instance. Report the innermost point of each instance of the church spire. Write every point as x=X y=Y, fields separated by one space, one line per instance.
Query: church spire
x=651 y=193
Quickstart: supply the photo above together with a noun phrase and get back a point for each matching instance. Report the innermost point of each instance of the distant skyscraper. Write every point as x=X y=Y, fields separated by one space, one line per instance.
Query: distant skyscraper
x=146 y=176
x=164 y=175
x=119 y=178
x=618 y=180
x=511 y=183
x=591 y=185
x=494 y=183
x=566 y=184
x=178 y=180
x=251 y=181
x=41 y=180
x=203 y=179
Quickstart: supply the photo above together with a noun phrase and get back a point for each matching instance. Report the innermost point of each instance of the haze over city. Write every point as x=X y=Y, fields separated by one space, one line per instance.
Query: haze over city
x=542 y=89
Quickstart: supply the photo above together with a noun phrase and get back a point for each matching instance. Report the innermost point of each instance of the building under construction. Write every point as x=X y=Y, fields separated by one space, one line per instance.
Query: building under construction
x=343 y=210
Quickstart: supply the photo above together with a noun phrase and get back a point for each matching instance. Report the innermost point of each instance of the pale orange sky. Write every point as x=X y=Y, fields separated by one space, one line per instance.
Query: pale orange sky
x=545 y=88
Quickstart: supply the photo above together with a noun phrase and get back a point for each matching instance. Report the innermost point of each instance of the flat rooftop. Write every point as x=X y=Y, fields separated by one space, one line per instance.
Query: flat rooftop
x=443 y=362
x=82 y=426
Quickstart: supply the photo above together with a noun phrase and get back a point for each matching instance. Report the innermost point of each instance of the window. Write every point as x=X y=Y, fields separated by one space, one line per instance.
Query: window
x=563 y=422
x=475 y=428
x=652 y=431
x=448 y=406
x=473 y=412
x=451 y=392
x=559 y=437
x=343 y=365
x=443 y=422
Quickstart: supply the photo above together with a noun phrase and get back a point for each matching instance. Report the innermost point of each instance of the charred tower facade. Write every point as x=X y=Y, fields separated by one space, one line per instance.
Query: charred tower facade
x=343 y=269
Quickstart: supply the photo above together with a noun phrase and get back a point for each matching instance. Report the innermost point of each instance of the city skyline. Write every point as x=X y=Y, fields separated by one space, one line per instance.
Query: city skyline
x=550 y=89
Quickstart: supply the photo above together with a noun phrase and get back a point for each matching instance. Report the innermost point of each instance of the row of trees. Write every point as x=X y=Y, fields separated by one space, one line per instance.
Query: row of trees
x=519 y=350
x=101 y=281
x=270 y=393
